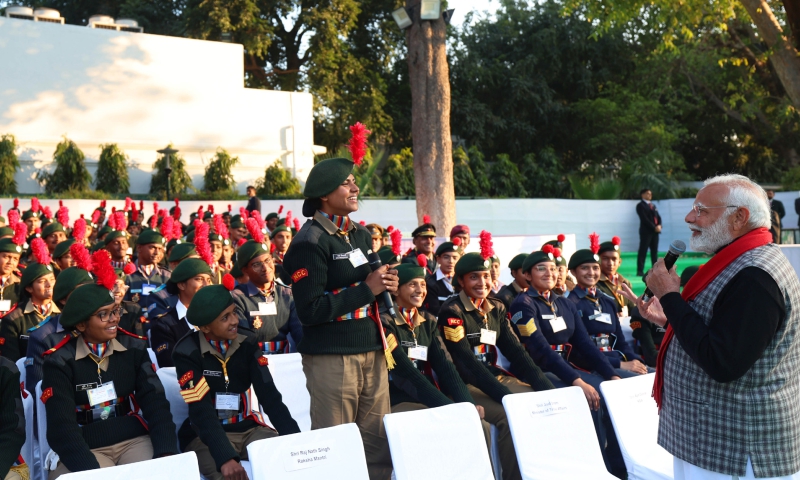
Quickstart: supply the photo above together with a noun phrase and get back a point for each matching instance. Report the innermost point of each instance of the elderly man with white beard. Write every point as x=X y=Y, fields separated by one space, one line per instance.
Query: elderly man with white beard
x=728 y=374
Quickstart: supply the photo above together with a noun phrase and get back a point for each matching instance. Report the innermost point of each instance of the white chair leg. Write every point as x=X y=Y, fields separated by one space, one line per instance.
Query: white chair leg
x=498 y=469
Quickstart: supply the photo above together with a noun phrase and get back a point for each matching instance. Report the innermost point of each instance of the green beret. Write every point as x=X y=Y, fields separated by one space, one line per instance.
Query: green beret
x=120 y=273
x=270 y=216
x=213 y=237
x=447 y=247
x=612 y=246
x=63 y=248
x=175 y=241
x=2 y=219
x=281 y=221
x=582 y=256
x=189 y=268
x=32 y=272
x=6 y=231
x=561 y=261
x=236 y=221
x=115 y=234
x=472 y=262
x=52 y=228
x=536 y=258
x=68 y=280
x=516 y=262
x=104 y=231
x=387 y=256
x=181 y=251
x=424 y=230
x=409 y=271
x=190 y=236
x=29 y=214
x=97 y=246
x=84 y=302
x=236 y=272
x=207 y=304
x=149 y=236
x=8 y=246
x=282 y=228
x=688 y=273
x=208 y=214
x=250 y=250
x=326 y=176
x=495 y=259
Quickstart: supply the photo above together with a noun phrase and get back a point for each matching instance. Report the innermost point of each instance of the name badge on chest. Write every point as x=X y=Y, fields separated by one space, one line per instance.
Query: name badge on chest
x=103 y=393
x=147 y=288
x=357 y=258
x=558 y=324
x=5 y=305
x=418 y=353
x=489 y=337
x=602 y=317
x=227 y=401
x=267 y=308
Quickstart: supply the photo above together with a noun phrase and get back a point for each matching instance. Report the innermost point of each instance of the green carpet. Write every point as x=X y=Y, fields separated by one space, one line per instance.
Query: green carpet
x=628 y=266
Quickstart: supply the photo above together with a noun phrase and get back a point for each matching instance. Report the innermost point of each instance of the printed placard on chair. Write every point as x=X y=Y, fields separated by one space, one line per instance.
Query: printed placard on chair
x=335 y=453
x=554 y=436
x=457 y=426
x=175 y=467
x=635 y=417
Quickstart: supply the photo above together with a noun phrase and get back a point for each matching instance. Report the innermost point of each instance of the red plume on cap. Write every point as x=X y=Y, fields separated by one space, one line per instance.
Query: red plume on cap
x=297 y=224
x=201 y=242
x=390 y=228
x=20 y=233
x=280 y=209
x=102 y=203
x=616 y=240
x=167 y=228
x=63 y=216
x=230 y=207
x=153 y=221
x=129 y=268
x=177 y=230
x=40 y=252
x=127 y=203
x=210 y=208
x=113 y=210
x=594 y=242
x=426 y=219
x=456 y=241
x=106 y=276
x=422 y=260
x=200 y=212
x=243 y=213
x=60 y=203
x=288 y=222
x=259 y=221
x=397 y=239
x=122 y=222
x=96 y=217
x=112 y=222
x=358 y=142
x=79 y=230
x=176 y=214
x=362 y=222
x=219 y=226
x=16 y=203
x=557 y=252
x=548 y=249
x=35 y=204
x=81 y=257
x=177 y=201
x=141 y=205
x=155 y=208
x=561 y=237
x=487 y=251
x=228 y=281
x=254 y=230
x=46 y=212
x=241 y=242
x=13 y=217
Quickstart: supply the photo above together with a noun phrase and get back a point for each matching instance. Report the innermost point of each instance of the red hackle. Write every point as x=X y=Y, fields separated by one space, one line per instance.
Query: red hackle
x=202 y=245
x=422 y=260
x=176 y=214
x=35 y=204
x=487 y=250
x=230 y=207
x=243 y=213
x=102 y=204
x=141 y=205
x=13 y=217
x=63 y=216
x=122 y=222
x=390 y=228
x=594 y=242
x=153 y=221
x=260 y=221
x=167 y=228
x=79 y=230
x=128 y=203
x=106 y=276
x=228 y=281
x=289 y=219
x=47 y=212
x=155 y=208
x=20 y=233
x=210 y=208
x=616 y=241
x=548 y=249
x=426 y=219
x=297 y=224
x=397 y=240
x=40 y=252
x=81 y=257
x=219 y=226
x=254 y=230
x=200 y=212
x=16 y=203
x=358 y=142
x=96 y=217
x=280 y=209
x=177 y=229
x=129 y=268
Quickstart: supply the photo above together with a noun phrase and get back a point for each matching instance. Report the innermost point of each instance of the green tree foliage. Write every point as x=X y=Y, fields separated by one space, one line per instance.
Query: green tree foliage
x=479 y=171
x=507 y=182
x=218 y=176
x=70 y=172
x=180 y=181
x=9 y=164
x=278 y=182
x=464 y=181
x=543 y=176
x=112 y=170
x=595 y=187
x=398 y=177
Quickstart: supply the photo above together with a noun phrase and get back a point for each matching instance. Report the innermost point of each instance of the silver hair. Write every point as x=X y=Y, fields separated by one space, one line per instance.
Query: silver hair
x=743 y=192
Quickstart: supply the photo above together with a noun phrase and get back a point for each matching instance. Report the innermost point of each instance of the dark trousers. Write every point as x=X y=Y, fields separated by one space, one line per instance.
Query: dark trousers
x=647 y=240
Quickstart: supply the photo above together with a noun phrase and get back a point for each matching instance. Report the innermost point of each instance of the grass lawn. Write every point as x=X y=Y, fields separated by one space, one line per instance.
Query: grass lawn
x=628 y=266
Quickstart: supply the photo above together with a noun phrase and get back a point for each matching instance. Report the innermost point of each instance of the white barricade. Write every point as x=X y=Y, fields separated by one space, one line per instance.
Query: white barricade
x=287 y=372
x=335 y=453
x=554 y=436
x=635 y=417
x=41 y=431
x=411 y=433
x=175 y=467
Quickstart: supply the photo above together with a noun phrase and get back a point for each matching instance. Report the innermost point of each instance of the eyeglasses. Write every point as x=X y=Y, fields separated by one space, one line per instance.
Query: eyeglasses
x=261 y=265
x=543 y=269
x=106 y=315
x=699 y=210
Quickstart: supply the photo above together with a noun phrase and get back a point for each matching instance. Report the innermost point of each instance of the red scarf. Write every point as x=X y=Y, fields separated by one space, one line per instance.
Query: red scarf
x=719 y=262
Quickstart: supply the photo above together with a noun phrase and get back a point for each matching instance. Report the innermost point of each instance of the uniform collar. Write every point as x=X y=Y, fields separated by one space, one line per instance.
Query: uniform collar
x=12 y=279
x=253 y=291
x=205 y=346
x=329 y=226
x=29 y=308
x=418 y=319
x=181 y=309
x=486 y=307
x=581 y=292
x=516 y=287
x=82 y=350
x=440 y=276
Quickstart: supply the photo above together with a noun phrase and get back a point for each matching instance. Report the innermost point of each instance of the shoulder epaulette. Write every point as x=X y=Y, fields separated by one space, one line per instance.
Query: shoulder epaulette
x=12 y=309
x=60 y=344
x=131 y=334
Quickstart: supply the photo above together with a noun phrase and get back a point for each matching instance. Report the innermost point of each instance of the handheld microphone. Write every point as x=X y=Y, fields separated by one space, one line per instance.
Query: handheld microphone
x=676 y=248
x=375 y=263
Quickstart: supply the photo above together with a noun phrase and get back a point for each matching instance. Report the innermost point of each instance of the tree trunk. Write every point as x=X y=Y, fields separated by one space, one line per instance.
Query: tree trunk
x=792 y=9
x=785 y=57
x=430 y=121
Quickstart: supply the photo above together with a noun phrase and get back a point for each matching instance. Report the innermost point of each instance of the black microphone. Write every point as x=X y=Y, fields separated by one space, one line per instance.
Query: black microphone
x=676 y=248
x=375 y=263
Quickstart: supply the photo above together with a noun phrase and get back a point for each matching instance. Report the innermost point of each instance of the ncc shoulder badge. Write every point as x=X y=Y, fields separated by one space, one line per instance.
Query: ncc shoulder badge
x=262 y=360
x=299 y=275
x=454 y=321
x=186 y=377
x=48 y=392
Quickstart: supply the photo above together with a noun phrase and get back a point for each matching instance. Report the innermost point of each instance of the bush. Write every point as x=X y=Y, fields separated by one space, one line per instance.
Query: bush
x=180 y=181
x=9 y=164
x=542 y=175
x=218 y=176
x=112 y=170
x=278 y=182
x=506 y=179
x=464 y=181
x=595 y=188
x=70 y=172
x=398 y=177
x=478 y=167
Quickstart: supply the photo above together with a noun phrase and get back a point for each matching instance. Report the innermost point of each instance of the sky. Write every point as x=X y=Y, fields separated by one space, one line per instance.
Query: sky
x=463 y=6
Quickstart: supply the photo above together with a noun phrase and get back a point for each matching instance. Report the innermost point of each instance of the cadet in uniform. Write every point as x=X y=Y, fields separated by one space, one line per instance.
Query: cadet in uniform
x=611 y=281
x=509 y=292
x=281 y=238
x=267 y=307
x=148 y=277
x=12 y=420
x=474 y=326
x=424 y=243
x=376 y=231
x=462 y=232
x=10 y=251
x=62 y=257
x=116 y=243
x=440 y=283
x=53 y=234
x=344 y=349
x=216 y=367
x=103 y=377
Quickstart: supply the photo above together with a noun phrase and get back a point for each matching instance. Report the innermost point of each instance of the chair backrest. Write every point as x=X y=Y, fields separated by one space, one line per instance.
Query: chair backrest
x=30 y=438
x=175 y=467
x=335 y=453
x=411 y=433
x=177 y=406
x=153 y=358
x=41 y=430
x=22 y=372
x=554 y=436
x=287 y=371
x=635 y=417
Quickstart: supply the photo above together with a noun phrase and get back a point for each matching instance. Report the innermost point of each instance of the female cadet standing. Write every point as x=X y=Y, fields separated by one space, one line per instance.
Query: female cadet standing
x=103 y=379
x=344 y=347
x=474 y=326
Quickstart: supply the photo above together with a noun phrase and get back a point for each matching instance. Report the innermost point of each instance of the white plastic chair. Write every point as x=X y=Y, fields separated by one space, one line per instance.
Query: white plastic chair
x=287 y=372
x=41 y=431
x=22 y=372
x=175 y=467
x=27 y=451
x=635 y=417
x=457 y=425
x=177 y=406
x=153 y=358
x=554 y=436
x=335 y=453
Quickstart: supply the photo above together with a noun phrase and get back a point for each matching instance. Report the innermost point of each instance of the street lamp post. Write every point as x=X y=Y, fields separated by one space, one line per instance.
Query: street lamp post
x=167 y=152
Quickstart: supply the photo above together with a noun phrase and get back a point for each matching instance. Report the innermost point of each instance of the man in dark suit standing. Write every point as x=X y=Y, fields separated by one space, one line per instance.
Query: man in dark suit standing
x=253 y=202
x=777 y=213
x=649 y=229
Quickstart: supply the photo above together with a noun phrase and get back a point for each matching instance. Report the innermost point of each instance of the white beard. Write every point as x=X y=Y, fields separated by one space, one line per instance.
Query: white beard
x=712 y=238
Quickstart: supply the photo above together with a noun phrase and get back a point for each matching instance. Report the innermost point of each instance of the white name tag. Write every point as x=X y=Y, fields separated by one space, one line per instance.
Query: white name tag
x=103 y=393
x=147 y=288
x=357 y=258
x=418 y=353
x=624 y=312
x=265 y=308
x=603 y=318
x=5 y=305
x=548 y=317
x=489 y=337
x=558 y=324
x=227 y=401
